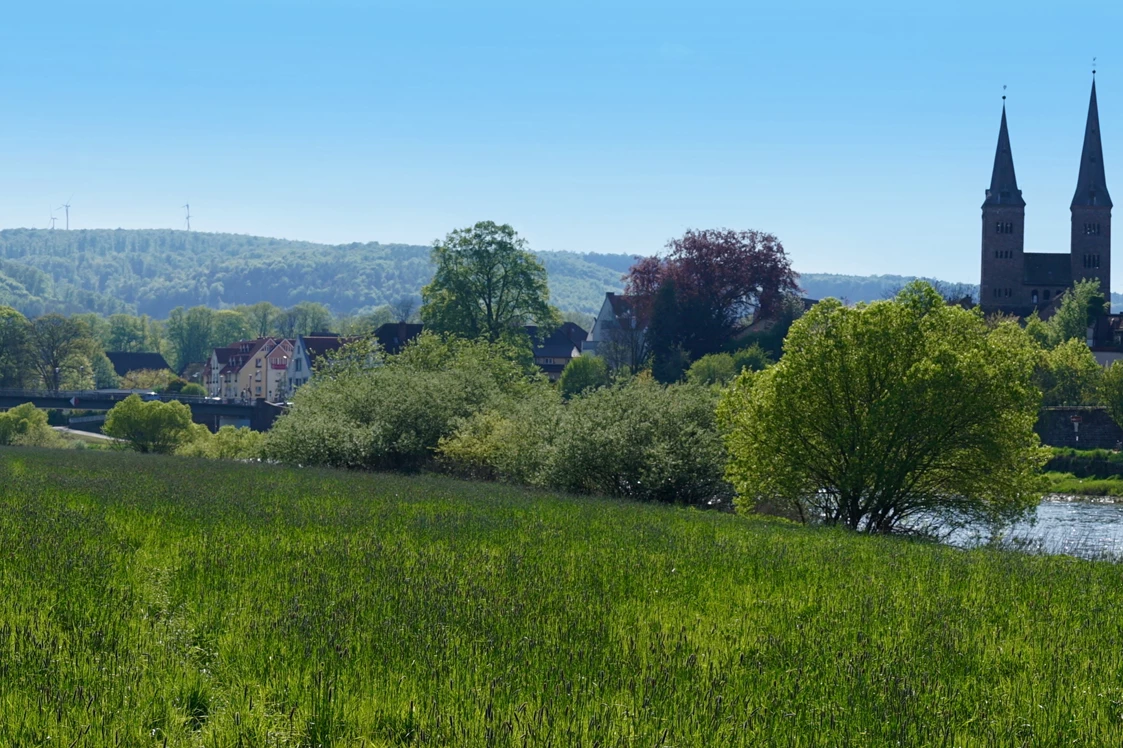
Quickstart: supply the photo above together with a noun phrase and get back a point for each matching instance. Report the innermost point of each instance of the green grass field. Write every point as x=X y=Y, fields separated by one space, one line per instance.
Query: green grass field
x=158 y=601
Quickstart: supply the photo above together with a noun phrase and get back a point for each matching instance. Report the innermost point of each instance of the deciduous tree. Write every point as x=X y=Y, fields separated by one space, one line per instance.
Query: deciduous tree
x=153 y=426
x=15 y=351
x=60 y=349
x=1068 y=374
x=583 y=373
x=902 y=415
x=486 y=282
x=191 y=334
x=721 y=278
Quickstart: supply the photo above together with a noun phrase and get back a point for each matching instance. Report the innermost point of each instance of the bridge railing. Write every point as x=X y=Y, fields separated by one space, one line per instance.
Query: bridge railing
x=118 y=395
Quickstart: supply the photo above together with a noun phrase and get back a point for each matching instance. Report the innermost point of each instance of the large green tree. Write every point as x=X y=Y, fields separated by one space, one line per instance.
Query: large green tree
x=191 y=334
x=229 y=327
x=1069 y=374
x=60 y=351
x=486 y=283
x=903 y=415
x=15 y=351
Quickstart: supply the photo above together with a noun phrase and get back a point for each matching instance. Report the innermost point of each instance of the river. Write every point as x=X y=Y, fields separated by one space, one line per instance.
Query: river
x=1077 y=526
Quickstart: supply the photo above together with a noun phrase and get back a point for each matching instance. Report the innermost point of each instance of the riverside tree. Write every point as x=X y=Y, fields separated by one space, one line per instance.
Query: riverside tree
x=486 y=283
x=153 y=426
x=906 y=415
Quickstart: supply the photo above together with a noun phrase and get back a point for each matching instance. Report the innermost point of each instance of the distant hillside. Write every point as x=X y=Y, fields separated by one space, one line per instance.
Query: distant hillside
x=855 y=288
x=153 y=271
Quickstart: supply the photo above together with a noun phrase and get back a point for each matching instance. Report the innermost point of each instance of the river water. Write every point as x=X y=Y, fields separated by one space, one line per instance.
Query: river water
x=1077 y=526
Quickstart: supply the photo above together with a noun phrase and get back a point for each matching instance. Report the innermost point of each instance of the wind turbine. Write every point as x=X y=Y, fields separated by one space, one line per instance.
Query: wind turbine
x=67 y=206
x=53 y=219
x=187 y=207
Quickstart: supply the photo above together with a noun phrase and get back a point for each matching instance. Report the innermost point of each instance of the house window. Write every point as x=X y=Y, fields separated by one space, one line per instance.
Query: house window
x=257 y=362
x=299 y=364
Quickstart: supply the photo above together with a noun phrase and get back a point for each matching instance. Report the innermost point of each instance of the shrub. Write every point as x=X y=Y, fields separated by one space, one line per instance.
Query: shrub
x=229 y=443
x=753 y=358
x=714 y=368
x=26 y=426
x=583 y=373
x=393 y=416
x=159 y=427
x=512 y=442
x=642 y=440
x=193 y=389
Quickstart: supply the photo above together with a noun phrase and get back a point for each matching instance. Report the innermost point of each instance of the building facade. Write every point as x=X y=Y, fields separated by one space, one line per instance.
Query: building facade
x=1017 y=282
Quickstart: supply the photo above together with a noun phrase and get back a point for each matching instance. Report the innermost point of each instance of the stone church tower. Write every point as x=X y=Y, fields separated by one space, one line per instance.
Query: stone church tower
x=1018 y=282
x=1004 y=221
x=1091 y=208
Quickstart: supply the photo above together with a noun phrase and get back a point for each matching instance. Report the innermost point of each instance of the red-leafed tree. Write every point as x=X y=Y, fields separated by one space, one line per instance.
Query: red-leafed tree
x=720 y=278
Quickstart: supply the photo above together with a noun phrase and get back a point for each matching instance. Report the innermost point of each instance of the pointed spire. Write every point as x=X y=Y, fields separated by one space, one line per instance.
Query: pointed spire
x=1003 y=182
x=1091 y=185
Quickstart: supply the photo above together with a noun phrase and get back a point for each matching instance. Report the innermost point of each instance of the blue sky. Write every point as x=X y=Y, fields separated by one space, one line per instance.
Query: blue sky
x=861 y=134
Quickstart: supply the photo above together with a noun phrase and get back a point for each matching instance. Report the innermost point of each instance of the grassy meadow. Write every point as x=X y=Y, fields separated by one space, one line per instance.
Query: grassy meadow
x=152 y=601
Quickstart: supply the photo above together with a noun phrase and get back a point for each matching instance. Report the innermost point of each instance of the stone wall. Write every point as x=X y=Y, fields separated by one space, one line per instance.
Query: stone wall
x=1094 y=430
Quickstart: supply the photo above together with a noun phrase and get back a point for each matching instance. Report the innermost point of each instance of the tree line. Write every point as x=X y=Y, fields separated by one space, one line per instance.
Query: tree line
x=910 y=414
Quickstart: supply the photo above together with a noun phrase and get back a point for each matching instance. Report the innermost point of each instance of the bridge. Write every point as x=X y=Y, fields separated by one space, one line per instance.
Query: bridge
x=213 y=412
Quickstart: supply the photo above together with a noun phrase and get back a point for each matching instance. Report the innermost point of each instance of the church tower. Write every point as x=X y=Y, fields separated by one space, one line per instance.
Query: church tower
x=1004 y=217
x=1091 y=208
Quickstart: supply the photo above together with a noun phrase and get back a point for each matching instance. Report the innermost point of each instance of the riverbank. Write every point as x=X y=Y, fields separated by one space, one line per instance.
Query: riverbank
x=226 y=603
x=1067 y=484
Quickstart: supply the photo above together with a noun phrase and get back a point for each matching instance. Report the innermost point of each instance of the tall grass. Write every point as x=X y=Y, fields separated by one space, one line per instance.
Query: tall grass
x=149 y=601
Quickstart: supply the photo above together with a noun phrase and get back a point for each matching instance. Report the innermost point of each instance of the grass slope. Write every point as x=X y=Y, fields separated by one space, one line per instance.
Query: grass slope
x=151 y=601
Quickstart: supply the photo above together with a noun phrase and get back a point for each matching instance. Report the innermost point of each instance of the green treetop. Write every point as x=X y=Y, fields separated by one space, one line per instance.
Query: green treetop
x=903 y=415
x=486 y=283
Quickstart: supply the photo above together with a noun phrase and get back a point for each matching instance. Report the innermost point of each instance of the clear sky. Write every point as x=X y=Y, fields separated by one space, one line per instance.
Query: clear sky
x=861 y=134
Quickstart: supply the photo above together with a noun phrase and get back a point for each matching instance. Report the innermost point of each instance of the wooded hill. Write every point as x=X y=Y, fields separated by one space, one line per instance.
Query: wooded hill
x=152 y=271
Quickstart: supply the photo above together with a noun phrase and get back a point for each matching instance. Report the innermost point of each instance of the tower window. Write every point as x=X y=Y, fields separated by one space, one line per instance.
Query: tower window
x=1092 y=229
x=1046 y=294
x=1033 y=296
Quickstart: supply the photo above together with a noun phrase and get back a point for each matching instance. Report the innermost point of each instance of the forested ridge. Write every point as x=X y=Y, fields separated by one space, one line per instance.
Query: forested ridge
x=152 y=271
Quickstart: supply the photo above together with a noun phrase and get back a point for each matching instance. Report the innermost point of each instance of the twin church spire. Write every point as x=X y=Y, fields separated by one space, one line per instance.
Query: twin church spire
x=1091 y=184
x=1017 y=282
x=1003 y=182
